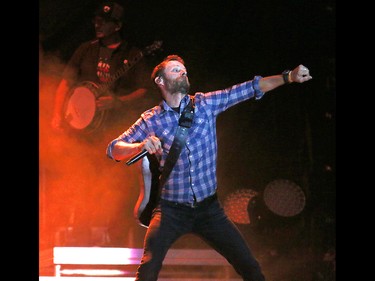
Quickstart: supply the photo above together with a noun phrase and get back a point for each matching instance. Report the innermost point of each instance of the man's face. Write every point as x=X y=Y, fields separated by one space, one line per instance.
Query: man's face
x=104 y=28
x=176 y=77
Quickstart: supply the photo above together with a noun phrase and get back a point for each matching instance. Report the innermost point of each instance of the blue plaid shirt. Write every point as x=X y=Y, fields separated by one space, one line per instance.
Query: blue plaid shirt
x=194 y=174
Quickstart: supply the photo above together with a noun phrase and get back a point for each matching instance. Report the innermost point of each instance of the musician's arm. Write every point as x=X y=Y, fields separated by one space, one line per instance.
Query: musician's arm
x=69 y=76
x=139 y=93
x=119 y=149
x=117 y=101
x=60 y=94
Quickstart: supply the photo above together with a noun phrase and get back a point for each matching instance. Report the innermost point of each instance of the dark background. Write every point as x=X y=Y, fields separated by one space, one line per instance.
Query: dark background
x=289 y=134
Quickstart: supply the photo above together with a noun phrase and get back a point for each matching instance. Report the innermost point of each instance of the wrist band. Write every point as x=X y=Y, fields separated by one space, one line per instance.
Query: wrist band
x=285 y=74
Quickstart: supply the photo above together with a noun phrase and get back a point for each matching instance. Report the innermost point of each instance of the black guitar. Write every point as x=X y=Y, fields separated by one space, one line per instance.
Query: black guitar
x=149 y=190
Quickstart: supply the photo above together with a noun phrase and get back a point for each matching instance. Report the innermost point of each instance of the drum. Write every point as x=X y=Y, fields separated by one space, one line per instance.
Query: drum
x=80 y=111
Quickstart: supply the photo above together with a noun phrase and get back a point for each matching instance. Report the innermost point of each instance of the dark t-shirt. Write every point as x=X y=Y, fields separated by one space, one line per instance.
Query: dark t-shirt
x=93 y=62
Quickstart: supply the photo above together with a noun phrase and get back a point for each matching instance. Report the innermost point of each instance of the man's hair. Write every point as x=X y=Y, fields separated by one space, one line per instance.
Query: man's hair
x=159 y=69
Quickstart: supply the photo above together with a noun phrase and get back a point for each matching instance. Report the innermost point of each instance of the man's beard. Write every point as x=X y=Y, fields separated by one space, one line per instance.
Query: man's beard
x=180 y=85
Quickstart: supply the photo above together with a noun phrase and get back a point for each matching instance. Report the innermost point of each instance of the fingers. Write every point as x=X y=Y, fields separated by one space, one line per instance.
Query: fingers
x=153 y=145
x=305 y=78
x=56 y=123
x=105 y=102
x=303 y=70
x=302 y=74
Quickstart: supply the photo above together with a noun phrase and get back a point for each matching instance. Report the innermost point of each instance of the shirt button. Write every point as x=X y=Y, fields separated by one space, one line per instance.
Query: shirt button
x=191 y=170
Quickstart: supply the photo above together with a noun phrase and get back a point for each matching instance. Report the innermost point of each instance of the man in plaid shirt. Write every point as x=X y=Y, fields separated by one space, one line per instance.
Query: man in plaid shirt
x=188 y=201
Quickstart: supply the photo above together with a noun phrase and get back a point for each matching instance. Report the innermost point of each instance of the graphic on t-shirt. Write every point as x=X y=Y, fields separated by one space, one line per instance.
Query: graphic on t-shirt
x=103 y=70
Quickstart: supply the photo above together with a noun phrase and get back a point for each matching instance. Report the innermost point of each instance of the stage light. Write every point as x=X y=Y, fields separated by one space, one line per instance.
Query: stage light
x=236 y=205
x=284 y=198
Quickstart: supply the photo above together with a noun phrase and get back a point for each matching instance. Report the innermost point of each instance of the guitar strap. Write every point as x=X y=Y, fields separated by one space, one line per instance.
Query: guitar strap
x=184 y=123
x=158 y=179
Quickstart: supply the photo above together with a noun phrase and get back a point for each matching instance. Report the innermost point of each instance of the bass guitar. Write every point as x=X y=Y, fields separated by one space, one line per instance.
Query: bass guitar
x=80 y=111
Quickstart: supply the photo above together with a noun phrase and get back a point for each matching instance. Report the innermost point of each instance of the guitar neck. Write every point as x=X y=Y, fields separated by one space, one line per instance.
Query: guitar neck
x=123 y=69
x=128 y=64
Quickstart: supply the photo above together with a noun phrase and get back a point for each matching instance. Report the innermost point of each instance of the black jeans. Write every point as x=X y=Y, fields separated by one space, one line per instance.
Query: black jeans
x=208 y=220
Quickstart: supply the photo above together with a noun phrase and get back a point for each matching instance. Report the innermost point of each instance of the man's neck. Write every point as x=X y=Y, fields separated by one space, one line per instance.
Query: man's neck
x=174 y=100
x=112 y=41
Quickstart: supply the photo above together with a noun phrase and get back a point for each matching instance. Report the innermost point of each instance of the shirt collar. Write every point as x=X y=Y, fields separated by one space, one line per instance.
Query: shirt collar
x=165 y=107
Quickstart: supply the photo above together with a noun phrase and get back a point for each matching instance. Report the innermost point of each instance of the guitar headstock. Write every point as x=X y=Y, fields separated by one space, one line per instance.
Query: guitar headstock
x=156 y=45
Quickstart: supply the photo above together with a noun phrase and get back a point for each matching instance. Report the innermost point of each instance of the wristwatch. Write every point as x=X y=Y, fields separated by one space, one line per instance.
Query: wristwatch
x=286 y=76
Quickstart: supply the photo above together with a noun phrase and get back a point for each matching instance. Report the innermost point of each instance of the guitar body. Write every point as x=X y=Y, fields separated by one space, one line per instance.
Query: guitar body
x=80 y=111
x=149 y=190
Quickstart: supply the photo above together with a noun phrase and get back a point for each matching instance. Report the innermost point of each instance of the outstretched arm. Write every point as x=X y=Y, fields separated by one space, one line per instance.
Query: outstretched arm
x=299 y=74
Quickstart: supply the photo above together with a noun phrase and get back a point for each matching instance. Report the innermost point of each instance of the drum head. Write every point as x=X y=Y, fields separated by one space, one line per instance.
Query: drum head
x=81 y=108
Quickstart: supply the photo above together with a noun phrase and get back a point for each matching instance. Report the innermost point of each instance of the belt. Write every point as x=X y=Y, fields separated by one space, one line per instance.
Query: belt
x=206 y=201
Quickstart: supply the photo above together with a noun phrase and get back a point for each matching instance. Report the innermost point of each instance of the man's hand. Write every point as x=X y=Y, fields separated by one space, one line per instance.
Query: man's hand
x=300 y=74
x=57 y=123
x=152 y=144
x=107 y=102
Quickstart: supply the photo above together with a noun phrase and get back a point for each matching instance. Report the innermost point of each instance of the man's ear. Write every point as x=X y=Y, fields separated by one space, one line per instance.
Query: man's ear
x=159 y=80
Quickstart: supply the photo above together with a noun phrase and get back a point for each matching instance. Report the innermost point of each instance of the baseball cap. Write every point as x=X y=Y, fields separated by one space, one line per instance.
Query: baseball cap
x=110 y=10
